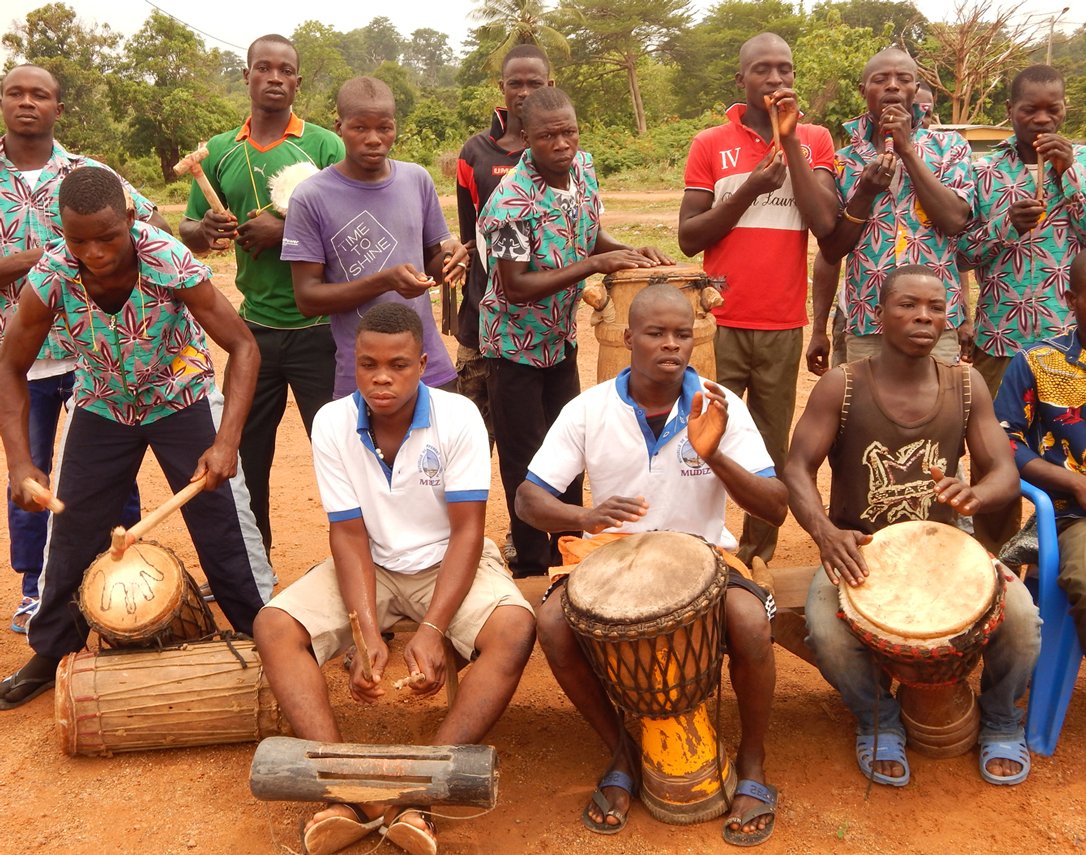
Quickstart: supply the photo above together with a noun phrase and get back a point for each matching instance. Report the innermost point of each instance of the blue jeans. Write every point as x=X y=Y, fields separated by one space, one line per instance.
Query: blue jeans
x=848 y=664
x=27 y=530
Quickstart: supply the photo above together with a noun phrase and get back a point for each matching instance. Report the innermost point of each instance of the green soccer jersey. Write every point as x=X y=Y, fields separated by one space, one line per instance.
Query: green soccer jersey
x=239 y=170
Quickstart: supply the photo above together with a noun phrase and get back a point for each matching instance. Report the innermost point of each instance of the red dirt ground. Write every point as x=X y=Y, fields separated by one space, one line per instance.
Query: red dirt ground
x=197 y=800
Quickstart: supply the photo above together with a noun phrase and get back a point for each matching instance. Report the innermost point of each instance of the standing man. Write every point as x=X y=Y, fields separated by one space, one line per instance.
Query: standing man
x=1040 y=408
x=369 y=229
x=543 y=236
x=295 y=350
x=885 y=420
x=32 y=166
x=1021 y=244
x=825 y=352
x=135 y=305
x=484 y=160
x=748 y=206
x=906 y=192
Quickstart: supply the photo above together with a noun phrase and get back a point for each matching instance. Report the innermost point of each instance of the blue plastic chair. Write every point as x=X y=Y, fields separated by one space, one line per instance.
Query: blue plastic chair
x=1061 y=654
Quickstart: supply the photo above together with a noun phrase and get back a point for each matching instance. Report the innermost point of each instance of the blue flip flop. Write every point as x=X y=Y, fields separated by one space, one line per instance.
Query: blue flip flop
x=892 y=748
x=1014 y=750
x=28 y=607
x=765 y=793
x=611 y=779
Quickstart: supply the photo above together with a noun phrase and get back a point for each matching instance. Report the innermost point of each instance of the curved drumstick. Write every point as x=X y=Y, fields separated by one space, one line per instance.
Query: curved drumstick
x=43 y=495
x=123 y=539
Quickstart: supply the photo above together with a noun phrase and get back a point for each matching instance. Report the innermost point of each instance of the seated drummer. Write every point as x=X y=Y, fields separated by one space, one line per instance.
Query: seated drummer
x=404 y=472
x=1039 y=405
x=878 y=420
x=637 y=436
x=135 y=305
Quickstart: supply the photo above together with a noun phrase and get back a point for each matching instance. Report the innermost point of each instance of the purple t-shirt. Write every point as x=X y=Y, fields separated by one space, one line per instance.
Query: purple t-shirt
x=356 y=229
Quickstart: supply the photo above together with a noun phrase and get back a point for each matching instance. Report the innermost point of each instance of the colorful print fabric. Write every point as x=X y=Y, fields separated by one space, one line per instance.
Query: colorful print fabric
x=536 y=333
x=899 y=231
x=30 y=218
x=1021 y=278
x=1040 y=405
x=149 y=359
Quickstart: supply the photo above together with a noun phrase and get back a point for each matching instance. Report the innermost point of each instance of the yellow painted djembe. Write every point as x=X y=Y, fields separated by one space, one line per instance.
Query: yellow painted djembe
x=649 y=612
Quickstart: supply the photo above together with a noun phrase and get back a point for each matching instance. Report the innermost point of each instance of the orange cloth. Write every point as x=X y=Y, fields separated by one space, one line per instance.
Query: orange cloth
x=575 y=549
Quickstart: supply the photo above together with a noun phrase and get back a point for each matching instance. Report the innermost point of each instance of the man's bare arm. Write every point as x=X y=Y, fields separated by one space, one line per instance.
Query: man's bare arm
x=811 y=442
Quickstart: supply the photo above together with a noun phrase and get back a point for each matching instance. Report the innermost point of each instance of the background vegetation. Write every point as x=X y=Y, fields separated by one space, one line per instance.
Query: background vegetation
x=644 y=75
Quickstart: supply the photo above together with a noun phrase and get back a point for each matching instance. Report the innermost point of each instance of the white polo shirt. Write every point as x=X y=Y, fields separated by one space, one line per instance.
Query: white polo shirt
x=444 y=458
x=602 y=431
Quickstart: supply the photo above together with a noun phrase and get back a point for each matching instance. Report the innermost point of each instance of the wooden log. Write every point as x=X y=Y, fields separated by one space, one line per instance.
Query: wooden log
x=790 y=632
x=287 y=769
x=790 y=585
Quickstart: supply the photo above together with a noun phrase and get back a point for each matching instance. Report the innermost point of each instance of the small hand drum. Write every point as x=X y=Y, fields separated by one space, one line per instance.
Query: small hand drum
x=928 y=607
x=145 y=598
x=649 y=612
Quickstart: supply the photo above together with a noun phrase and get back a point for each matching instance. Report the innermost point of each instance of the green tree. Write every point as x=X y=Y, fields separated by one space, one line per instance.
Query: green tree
x=403 y=90
x=323 y=71
x=513 y=22
x=367 y=47
x=830 y=60
x=617 y=34
x=162 y=92
x=909 y=26
x=80 y=56
x=708 y=54
x=427 y=53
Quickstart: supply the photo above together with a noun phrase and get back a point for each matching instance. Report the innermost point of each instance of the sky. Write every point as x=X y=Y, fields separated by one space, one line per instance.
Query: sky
x=232 y=26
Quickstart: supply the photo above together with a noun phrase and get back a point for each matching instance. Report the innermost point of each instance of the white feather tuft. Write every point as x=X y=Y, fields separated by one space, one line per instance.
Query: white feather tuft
x=282 y=184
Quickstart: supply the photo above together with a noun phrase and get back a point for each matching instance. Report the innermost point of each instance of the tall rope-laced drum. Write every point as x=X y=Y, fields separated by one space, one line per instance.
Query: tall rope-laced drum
x=623 y=285
x=928 y=607
x=649 y=612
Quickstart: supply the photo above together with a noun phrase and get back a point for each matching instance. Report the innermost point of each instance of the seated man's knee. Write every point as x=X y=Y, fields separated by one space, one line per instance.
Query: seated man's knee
x=555 y=636
x=748 y=630
x=274 y=631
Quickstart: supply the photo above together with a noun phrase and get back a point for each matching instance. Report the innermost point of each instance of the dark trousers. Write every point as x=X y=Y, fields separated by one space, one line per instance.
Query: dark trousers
x=96 y=465
x=28 y=530
x=524 y=402
x=303 y=359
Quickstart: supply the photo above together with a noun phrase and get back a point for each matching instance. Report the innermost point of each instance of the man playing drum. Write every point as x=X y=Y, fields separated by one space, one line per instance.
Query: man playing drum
x=643 y=438
x=404 y=473
x=877 y=420
x=543 y=238
x=135 y=305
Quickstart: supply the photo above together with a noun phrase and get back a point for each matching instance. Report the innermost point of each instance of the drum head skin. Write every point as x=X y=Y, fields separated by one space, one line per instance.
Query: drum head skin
x=642 y=577
x=927 y=580
x=124 y=597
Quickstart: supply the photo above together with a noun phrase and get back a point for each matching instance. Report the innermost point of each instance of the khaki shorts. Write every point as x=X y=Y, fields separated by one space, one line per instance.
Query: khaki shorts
x=314 y=601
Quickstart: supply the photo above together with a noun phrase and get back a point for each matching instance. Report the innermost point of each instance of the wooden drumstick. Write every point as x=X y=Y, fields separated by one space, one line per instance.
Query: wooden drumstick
x=123 y=539
x=43 y=495
x=363 y=650
x=412 y=680
x=1040 y=176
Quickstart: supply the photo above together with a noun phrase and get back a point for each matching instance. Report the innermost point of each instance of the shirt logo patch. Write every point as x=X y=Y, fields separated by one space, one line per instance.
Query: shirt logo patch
x=430 y=467
x=691 y=463
x=500 y=170
x=363 y=246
